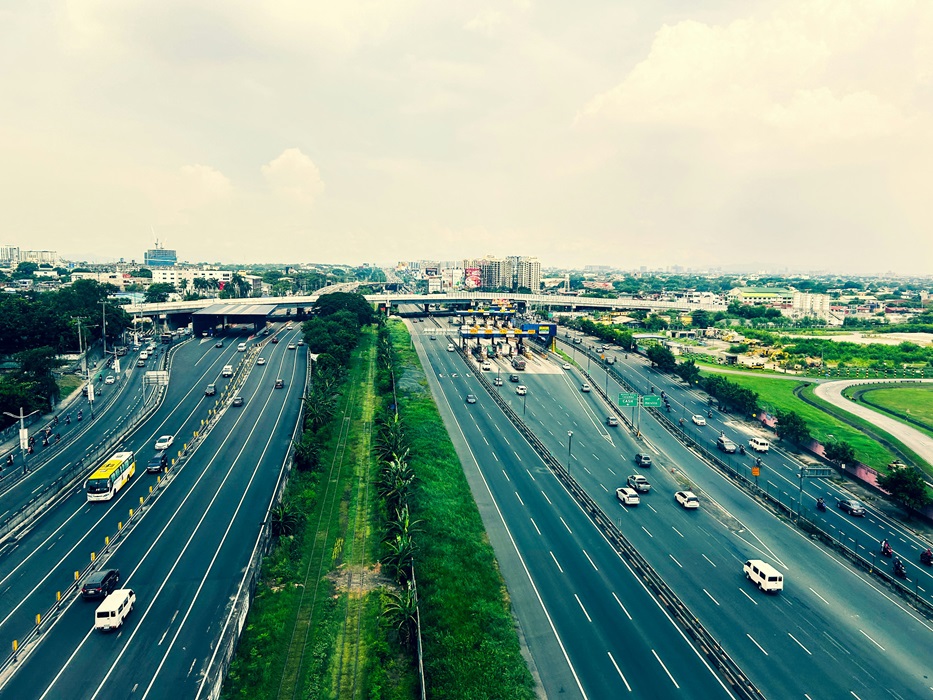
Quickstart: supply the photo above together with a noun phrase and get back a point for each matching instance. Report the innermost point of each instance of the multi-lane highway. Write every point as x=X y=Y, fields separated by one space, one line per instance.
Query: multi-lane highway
x=808 y=641
x=183 y=553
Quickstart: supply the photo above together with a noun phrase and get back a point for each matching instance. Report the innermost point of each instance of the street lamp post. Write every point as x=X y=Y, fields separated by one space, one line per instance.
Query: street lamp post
x=23 y=434
x=524 y=403
x=569 y=444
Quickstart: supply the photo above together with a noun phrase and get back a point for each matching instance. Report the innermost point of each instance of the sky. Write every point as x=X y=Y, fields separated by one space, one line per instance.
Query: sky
x=772 y=134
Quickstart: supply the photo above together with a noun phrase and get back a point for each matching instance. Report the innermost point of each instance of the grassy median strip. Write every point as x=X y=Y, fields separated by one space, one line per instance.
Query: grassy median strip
x=471 y=648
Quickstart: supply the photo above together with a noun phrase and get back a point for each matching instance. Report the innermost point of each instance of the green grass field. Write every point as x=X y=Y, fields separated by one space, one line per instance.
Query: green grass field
x=778 y=395
x=914 y=400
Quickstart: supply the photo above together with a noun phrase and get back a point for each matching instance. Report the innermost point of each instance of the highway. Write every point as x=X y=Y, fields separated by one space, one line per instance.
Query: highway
x=184 y=553
x=786 y=651
x=608 y=636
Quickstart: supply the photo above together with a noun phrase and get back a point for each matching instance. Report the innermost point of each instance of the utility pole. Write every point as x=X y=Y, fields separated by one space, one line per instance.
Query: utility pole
x=103 y=335
x=23 y=434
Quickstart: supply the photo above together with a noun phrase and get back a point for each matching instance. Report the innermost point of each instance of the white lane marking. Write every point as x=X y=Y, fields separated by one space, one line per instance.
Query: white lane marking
x=611 y=471
x=556 y=562
x=536 y=525
x=651 y=507
x=621 y=606
x=494 y=456
x=756 y=644
x=707 y=559
x=589 y=560
x=749 y=597
x=710 y=596
x=872 y=640
x=619 y=671
x=583 y=608
x=505 y=475
x=646 y=532
x=665 y=669
x=798 y=642
x=519 y=498
x=485 y=440
x=565 y=524
x=819 y=596
x=546 y=498
x=677 y=531
x=530 y=474
x=675 y=561
x=604 y=488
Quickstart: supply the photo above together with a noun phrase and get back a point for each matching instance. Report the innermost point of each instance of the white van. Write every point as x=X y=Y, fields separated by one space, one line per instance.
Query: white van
x=450 y=347
x=759 y=445
x=227 y=371
x=144 y=355
x=765 y=576
x=241 y=347
x=114 y=610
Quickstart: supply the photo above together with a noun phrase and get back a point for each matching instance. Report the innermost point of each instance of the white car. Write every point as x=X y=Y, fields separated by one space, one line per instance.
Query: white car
x=497 y=381
x=585 y=388
x=566 y=365
x=521 y=390
x=698 y=419
x=627 y=496
x=486 y=365
x=261 y=361
x=164 y=442
x=109 y=379
x=612 y=421
x=688 y=499
x=291 y=346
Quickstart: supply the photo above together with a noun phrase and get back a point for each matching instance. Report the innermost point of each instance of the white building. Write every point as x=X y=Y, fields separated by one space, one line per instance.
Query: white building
x=183 y=278
x=39 y=257
x=117 y=279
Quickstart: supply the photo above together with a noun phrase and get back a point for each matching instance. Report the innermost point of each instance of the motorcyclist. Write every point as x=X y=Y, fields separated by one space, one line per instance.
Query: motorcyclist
x=652 y=390
x=899 y=567
x=67 y=420
x=820 y=503
x=709 y=414
x=927 y=556
x=886 y=548
x=681 y=422
x=741 y=449
x=9 y=460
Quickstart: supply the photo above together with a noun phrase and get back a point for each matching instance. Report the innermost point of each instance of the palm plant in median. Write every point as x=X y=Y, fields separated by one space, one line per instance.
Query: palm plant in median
x=401 y=611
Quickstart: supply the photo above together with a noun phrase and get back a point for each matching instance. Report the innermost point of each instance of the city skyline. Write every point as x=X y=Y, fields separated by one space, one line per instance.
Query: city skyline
x=757 y=136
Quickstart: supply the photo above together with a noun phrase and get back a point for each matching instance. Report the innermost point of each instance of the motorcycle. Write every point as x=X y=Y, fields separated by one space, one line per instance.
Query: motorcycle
x=899 y=569
x=668 y=407
x=886 y=550
x=926 y=558
x=741 y=449
x=709 y=414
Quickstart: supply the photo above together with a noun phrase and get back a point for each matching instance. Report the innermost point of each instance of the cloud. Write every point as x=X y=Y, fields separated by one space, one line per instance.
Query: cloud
x=294 y=175
x=485 y=22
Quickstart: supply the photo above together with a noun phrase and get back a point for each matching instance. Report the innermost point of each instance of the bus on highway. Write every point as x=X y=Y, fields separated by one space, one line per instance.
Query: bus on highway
x=110 y=477
x=167 y=338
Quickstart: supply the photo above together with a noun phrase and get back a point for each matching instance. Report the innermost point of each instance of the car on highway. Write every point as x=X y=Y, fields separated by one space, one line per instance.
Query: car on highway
x=521 y=390
x=157 y=463
x=279 y=383
x=140 y=363
x=852 y=507
x=725 y=444
x=112 y=613
x=237 y=400
x=687 y=499
x=639 y=483
x=210 y=390
x=698 y=419
x=301 y=342
x=470 y=398
x=566 y=365
x=450 y=347
x=275 y=339
x=164 y=442
x=585 y=388
x=487 y=365
x=109 y=379
x=627 y=496
x=288 y=326
x=100 y=584
x=291 y=346
x=261 y=361
x=642 y=459
x=219 y=344
x=612 y=421
x=497 y=381
x=513 y=378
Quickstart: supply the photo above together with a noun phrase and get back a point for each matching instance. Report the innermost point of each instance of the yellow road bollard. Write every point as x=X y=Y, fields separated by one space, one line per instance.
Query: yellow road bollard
x=107 y=541
x=93 y=556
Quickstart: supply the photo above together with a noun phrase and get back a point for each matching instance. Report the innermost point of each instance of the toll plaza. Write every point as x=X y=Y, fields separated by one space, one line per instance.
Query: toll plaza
x=506 y=340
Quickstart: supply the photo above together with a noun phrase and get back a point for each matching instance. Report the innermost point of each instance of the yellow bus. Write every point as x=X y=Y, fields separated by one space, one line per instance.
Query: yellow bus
x=111 y=476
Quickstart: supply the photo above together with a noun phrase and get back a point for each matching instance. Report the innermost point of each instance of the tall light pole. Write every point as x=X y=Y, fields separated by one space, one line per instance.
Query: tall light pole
x=524 y=402
x=103 y=335
x=569 y=444
x=23 y=433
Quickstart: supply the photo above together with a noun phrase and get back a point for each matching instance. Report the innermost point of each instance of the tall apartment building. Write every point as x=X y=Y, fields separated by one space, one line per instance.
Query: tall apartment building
x=175 y=275
x=526 y=273
x=160 y=257
x=39 y=257
x=9 y=255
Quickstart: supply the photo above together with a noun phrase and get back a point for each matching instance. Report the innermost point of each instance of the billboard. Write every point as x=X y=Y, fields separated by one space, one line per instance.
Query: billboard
x=471 y=278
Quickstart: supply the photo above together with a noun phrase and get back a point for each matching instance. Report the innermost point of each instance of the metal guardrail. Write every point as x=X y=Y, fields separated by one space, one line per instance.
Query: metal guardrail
x=689 y=623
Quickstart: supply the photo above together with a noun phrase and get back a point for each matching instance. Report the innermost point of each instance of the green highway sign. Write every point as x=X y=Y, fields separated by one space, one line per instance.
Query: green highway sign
x=628 y=400
x=651 y=401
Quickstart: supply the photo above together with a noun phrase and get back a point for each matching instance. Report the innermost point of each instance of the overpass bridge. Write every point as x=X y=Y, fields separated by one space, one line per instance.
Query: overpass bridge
x=452 y=300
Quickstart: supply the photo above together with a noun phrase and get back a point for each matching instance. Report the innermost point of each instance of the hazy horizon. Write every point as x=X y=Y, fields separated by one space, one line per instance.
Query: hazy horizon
x=753 y=135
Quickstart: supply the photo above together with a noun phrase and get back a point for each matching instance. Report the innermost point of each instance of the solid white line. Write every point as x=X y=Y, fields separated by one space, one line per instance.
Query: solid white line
x=590 y=560
x=619 y=671
x=665 y=669
x=582 y=608
x=798 y=642
x=621 y=606
x=556 y=562
x=756 y=644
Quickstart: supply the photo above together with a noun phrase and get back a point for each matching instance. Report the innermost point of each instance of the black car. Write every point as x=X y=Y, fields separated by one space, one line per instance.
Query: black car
x=237 y=400
x=101 y=583
x=513 y=377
